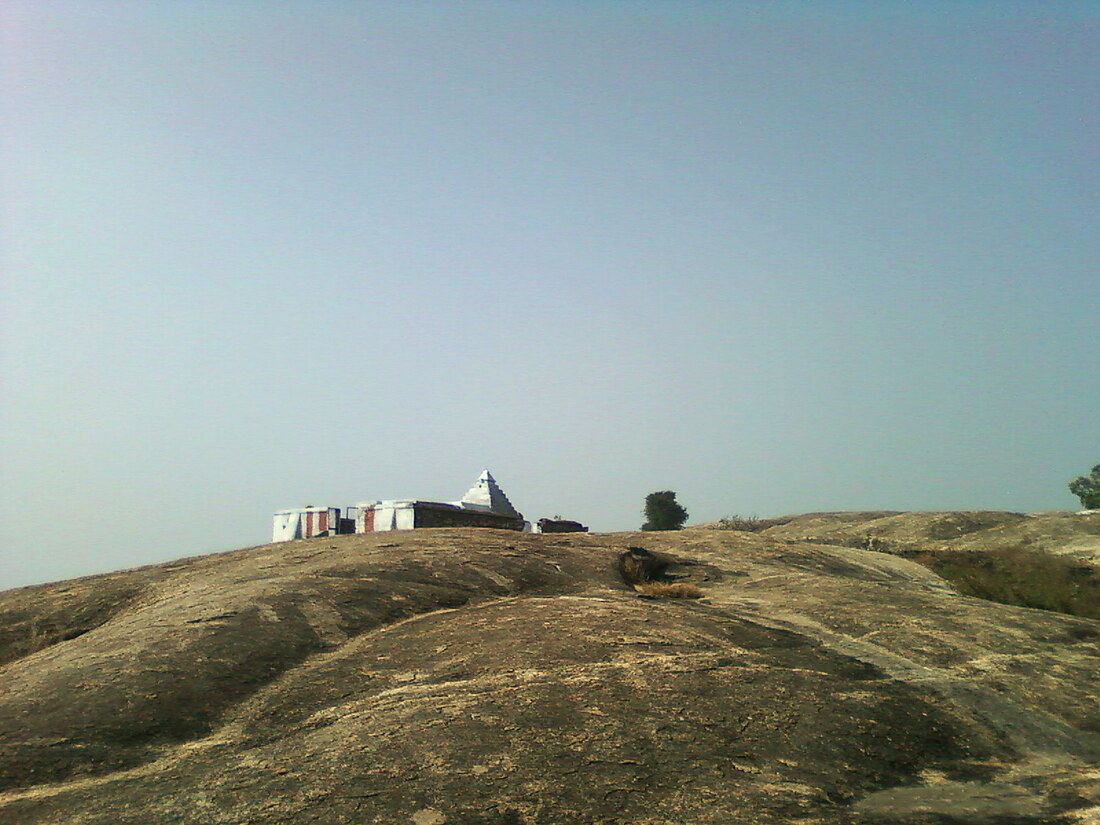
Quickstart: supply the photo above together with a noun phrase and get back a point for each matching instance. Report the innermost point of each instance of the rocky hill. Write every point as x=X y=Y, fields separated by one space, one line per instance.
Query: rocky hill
x=1062 y=533
x=479 y=676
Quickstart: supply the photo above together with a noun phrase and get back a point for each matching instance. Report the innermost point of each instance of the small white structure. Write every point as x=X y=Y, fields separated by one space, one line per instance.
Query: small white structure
x=305 y=523
x=377 y=516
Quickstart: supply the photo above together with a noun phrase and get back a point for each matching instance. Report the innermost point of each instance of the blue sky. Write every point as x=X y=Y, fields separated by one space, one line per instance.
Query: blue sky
x=776 y=257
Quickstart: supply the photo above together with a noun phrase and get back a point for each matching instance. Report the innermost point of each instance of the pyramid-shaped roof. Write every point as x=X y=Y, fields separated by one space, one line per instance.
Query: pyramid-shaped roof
x=487 y=495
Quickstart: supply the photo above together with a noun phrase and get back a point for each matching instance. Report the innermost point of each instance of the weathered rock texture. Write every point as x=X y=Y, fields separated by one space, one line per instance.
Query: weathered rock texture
x=1062 y=533
x=480 y=676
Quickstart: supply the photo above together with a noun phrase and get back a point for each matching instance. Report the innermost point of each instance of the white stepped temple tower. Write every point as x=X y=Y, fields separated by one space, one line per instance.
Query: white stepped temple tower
x=487 y=495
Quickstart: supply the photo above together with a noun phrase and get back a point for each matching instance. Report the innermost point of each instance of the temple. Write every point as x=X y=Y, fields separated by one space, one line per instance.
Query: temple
x=484 y=505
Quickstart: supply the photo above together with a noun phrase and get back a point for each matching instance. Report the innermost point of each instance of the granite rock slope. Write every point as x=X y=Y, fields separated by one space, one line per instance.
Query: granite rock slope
x=1062 y=533
x=478 y=676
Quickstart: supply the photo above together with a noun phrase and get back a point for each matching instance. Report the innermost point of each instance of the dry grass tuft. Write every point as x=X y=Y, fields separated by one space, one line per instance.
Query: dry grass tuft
x=669 y=590
x=751 y=524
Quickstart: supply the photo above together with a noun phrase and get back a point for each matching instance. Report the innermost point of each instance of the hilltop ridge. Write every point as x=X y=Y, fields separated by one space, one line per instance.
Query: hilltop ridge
x=484 y=676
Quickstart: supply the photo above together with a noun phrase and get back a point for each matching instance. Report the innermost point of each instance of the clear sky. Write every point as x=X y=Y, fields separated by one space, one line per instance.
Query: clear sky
x=777 y=257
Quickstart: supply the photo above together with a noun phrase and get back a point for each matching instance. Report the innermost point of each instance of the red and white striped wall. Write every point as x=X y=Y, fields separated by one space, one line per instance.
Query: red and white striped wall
x=304 y=523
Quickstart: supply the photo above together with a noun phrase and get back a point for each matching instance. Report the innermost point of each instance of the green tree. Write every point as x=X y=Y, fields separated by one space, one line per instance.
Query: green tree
x=1087 y=488
x=663 y=512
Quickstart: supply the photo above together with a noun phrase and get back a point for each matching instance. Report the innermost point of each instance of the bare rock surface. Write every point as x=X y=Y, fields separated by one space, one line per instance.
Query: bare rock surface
x=480 y=676
x=1066 y=533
